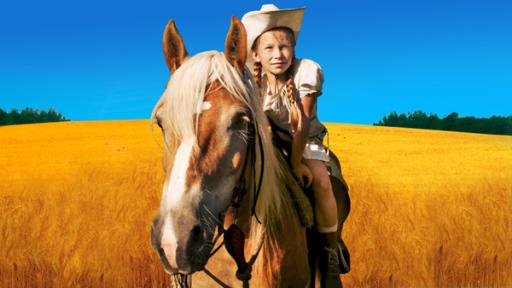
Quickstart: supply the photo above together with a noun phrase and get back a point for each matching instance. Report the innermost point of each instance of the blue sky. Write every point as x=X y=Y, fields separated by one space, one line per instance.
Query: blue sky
x=96 y=60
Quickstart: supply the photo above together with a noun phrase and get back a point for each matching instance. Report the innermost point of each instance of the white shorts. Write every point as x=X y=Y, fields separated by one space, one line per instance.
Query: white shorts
x=316 y=150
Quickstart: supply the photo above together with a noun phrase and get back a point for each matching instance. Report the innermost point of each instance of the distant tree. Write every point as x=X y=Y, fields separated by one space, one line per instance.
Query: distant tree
x=13 y=117
x=29 y=115
x=434 y=122
x=452 y=122
x=469 y=124
x=418 y=119
x=508 y=128
x=390 y=120
x=497 y=125
x=3 y=117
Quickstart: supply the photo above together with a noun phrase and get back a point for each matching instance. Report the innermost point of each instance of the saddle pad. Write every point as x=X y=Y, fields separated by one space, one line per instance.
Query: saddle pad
x=301 y=201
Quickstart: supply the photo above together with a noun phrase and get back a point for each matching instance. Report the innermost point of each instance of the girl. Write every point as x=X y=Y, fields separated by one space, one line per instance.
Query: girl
x=289 y=88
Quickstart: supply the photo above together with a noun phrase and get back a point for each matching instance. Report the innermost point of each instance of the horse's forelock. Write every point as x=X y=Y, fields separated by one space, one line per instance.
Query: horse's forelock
x=186 y=95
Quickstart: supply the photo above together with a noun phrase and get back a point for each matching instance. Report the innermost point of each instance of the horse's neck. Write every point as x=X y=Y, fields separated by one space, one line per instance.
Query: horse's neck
x=283 y=260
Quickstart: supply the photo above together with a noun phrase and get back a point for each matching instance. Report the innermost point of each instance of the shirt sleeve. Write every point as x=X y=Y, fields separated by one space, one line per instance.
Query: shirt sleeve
x=309 y=78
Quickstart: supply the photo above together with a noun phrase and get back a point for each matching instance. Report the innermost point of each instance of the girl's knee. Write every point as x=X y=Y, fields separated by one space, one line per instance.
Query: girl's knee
x=323 y=188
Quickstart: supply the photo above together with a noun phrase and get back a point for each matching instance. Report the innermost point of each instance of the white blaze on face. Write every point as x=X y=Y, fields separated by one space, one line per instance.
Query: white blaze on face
x=176 y=187
x=174 y=190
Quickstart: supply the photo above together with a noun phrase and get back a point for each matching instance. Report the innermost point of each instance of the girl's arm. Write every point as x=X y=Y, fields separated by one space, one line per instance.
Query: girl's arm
x=309 y=103
x=306 y=106
x=300 y=137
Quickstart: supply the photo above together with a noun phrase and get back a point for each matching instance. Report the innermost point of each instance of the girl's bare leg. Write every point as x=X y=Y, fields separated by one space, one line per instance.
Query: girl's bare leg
x=325 y=204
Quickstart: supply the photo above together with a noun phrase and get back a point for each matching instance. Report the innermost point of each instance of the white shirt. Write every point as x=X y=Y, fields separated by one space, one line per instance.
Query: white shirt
x=308 y=79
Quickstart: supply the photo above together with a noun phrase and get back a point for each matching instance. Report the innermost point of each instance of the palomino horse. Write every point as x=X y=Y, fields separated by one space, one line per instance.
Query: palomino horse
x=218 y=153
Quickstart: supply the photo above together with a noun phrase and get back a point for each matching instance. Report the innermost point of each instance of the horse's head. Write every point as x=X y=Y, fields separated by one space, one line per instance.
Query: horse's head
x=208 y=121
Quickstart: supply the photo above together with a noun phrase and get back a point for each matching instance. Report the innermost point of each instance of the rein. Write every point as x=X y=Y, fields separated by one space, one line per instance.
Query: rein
x=234 y=237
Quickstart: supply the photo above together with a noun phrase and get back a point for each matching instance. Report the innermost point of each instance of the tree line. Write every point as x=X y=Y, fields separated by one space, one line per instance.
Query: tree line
x=29 y=115
x=452 y=122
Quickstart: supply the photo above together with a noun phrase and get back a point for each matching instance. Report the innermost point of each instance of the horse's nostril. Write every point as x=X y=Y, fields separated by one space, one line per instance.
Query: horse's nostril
x=196 y=240
x=198 y=248
x=196 y=232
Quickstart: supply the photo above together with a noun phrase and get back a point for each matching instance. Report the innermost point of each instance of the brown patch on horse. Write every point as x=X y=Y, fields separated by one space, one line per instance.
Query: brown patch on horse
x=235 y=48
x=174 y=48
x=212 y=142
x=236 y=160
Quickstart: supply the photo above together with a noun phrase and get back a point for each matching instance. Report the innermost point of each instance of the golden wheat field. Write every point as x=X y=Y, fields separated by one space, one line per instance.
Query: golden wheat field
x=429 y=208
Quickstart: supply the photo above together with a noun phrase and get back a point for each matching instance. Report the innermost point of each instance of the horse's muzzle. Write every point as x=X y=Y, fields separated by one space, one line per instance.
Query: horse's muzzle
x=192 y=254
x=187 y=256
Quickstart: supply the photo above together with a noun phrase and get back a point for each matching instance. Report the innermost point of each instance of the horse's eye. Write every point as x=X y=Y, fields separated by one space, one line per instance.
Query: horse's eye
x=240 y=121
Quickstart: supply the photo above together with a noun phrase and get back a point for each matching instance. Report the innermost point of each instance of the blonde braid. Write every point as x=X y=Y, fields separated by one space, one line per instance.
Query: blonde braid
x=257 y=77
x=290 y=91
x=290 y=87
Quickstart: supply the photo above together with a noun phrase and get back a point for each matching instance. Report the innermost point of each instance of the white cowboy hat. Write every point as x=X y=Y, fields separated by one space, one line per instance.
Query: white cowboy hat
x=268 y=17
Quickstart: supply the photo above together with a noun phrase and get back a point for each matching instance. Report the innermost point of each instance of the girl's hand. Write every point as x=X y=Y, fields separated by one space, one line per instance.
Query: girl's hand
x=302 y=171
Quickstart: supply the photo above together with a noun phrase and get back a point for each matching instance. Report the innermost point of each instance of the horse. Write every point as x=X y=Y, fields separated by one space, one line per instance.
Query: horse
x=221 y=166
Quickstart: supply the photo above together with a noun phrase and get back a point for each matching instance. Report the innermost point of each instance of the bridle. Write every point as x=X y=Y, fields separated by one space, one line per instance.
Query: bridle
x=233 y=236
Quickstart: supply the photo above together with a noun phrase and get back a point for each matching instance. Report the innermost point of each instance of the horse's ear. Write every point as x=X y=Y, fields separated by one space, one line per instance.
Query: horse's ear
x=235 y=48
x=174 y=48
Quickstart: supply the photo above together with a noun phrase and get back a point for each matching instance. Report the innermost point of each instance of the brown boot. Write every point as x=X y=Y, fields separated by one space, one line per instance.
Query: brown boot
x=329 y=265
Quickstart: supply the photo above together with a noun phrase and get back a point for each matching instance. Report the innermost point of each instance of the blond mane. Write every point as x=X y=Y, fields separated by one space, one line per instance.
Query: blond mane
x=181 y=104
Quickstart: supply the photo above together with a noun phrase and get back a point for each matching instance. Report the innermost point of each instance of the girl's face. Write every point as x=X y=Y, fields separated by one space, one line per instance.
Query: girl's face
x=274 y=51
